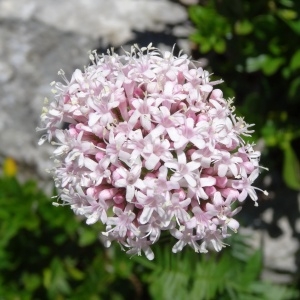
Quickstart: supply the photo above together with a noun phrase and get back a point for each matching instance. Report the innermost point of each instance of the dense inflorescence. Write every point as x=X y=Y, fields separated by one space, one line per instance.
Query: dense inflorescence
x=150 y=146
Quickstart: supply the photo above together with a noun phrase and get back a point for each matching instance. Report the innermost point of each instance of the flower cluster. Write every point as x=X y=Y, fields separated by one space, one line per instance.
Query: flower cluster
x=150 y=146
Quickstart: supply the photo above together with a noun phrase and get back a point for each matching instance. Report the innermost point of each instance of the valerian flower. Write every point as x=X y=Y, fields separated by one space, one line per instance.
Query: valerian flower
x=150 y=145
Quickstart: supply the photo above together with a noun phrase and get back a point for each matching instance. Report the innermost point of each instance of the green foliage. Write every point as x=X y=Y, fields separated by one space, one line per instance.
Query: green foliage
x=260 y=62
x=48 y=253
x=231 y=275
x=282 y=138
x=209 y=21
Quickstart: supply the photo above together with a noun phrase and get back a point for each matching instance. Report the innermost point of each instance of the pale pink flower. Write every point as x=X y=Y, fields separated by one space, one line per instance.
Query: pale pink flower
x=178 y=209
x=185 y=237
x=150 y=202
x=227 y=162
x=150 y=145
x=129 y=179
x=183 y=169
x=123 y=220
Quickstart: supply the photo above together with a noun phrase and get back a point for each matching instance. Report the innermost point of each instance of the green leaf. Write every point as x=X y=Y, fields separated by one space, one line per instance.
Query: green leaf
x=270 y=134
x=86 y=236
x=220 y=46
x=205 y=47
x=294 y=87
x=287 y=14
x=243 y=27
x=269 y=291
x=75 y=273
x=31 y=281
x=295 y=61
x=294 y=25
x=253 y=268
x=271 y=64
x=291 y=167
x=287 y=3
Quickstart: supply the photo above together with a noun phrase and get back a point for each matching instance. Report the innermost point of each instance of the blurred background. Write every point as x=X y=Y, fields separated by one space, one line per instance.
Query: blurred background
x=45 y=252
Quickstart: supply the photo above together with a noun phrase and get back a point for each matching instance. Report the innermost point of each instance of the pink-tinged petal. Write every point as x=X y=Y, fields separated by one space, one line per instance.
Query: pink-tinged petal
x=157 y=131
x=171 y=165
x=237 y=184
x=171 y=75
x=211 y=210
x=129 y=193
x=181 y=157
x=206 y=88
x=178 y=246
x=202 y=194
x=146 y=123
x=124 y=156
x=243 y=195
x=151 y=161
x=103 y=217
x=146 y=215
x=203 y=248
x=253 y=175
x=205 y=162
x=176 y=233
x=140 y=184
x=121 y=183
x=252 y=193
x=185 y=202
x=122 y=172
x=198 y=142
x=77 y=76
x=234 y=169
x=60 y=135
x=233 y=225
x=81 y=161
x=149 y=73
x=181 y=142
x=193 y=165
x=168 y=89
x=183 y=215
x=149 y=253
x=163 y=172
x=222 y=170
x=207 y=181
x=74 y=88
x=192 y=223
x=117 y=210
x=191 y=181
x=216 y=94
x=122 y=231
x=94 y=118
x=136 y=170
x=173 y=134
x=218 y=245
x=190 y=123
x=134 y=118
x=93 y=218
x=218 y=199
x=236 y=211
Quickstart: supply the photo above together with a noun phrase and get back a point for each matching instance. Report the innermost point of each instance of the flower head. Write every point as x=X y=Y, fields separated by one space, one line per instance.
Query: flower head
x=150 y=146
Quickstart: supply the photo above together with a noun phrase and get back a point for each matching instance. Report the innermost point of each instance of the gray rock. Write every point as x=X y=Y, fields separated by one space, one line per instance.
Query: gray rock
x=30 y=57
